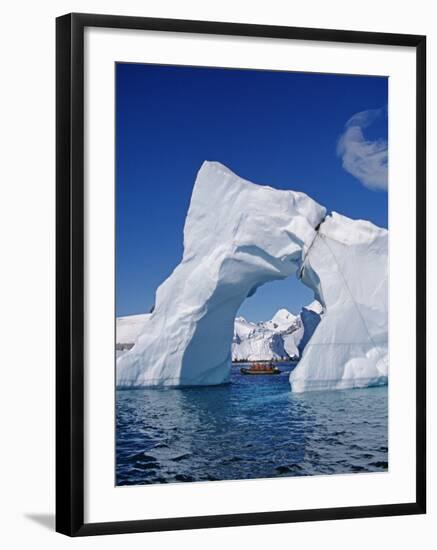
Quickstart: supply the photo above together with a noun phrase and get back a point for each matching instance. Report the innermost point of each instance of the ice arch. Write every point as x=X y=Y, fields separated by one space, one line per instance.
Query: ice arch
x=238 y=236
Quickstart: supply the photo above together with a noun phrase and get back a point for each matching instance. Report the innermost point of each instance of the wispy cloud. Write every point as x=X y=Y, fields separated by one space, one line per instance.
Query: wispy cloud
x=365 y=160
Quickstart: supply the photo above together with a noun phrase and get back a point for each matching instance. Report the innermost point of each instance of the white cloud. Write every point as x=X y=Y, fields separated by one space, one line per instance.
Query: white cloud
x=365 y=160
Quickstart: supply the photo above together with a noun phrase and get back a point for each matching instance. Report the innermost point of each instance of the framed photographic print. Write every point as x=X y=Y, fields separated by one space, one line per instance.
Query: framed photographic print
x=240 y=274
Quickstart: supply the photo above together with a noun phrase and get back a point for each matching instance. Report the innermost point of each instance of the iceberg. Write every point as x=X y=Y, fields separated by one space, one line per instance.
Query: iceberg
x=347 y=268
x=237 y=237
x=310 y=317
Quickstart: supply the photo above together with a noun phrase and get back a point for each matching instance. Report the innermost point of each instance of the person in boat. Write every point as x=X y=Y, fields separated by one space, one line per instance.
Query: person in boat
x=261 y=366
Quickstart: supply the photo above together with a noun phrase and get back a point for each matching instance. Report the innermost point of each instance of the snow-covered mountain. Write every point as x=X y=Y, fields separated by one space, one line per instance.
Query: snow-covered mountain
x=279 y=338
x=253 y=342
x=282 y=320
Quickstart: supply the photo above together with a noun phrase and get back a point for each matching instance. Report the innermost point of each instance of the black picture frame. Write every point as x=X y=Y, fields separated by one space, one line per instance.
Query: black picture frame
x=70 y=273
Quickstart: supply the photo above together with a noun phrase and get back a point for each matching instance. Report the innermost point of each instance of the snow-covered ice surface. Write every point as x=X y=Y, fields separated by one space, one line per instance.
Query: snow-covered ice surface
x=269 y=340
x=129 y=328
x=283 y=337
x=239 y=236
x=347 y=267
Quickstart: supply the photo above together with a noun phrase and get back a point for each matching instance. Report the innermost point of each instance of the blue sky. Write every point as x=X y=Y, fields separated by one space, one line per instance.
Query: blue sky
x=287 y=130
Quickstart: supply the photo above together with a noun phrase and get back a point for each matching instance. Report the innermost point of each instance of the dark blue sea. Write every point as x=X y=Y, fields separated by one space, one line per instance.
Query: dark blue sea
x=253 y=427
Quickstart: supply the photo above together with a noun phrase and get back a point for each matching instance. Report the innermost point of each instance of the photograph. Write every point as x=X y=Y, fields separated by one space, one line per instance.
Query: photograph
x=251 y=270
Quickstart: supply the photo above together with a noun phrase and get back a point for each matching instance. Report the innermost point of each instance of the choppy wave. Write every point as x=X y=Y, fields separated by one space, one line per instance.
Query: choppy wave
x=252 y=428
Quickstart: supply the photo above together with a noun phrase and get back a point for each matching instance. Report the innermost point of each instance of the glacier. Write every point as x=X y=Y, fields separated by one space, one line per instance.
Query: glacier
x=238 y=236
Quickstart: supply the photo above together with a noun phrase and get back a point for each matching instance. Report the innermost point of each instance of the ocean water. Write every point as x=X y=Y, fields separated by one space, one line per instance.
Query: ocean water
x=253 y=427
